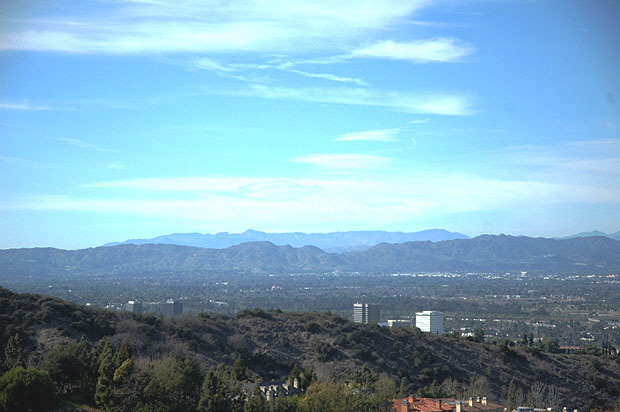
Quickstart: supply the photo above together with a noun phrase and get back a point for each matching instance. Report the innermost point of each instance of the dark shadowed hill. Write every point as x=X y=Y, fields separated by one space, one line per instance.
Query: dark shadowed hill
x=483 y=253
x=271 y=342
x=331 y=242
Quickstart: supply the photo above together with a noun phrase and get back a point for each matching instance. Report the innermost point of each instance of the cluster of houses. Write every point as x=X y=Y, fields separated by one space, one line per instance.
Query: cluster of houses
x=272 y=390
x=414 y=404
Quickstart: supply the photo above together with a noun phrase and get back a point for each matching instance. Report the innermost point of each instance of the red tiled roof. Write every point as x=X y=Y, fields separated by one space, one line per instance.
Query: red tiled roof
x=413 y=404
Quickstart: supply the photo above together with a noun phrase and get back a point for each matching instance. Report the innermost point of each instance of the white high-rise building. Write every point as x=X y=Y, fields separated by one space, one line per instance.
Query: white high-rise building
x=430 y=321
x=133 y=306
x=172 y=308
x=365 y=313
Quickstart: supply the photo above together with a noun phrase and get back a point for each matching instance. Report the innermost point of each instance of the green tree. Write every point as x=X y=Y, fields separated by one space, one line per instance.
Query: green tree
x=127 y=390
x=306 y=378
x=478 y=335
x=239 y=370
x=106 y=370
x=285 y=404
x=433 y=391
x=256 y=403
x=512 y=394
x=213 y=395
x=174 y=385
x=26 y=390
x=71 y=368
x=14 y=353
x=404 y=387
x=294 y=374
x=123 y=353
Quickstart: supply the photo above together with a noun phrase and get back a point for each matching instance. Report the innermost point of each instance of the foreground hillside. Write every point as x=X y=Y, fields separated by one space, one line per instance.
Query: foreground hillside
x=271 y=344
x=483 y=253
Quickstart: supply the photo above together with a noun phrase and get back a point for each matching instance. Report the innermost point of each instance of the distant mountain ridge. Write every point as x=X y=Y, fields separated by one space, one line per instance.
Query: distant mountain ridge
x=330 y=242
x=488 y=253
x=592 y=233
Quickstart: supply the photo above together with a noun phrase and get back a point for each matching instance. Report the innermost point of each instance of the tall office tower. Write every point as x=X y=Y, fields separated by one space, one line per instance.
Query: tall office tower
x=366 y=312
x=172 y=308
x=133 y=306
x=430 y=321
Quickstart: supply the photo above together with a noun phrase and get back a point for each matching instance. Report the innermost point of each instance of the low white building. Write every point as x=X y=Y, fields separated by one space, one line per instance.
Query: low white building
x=399 y=323
x=430 y=321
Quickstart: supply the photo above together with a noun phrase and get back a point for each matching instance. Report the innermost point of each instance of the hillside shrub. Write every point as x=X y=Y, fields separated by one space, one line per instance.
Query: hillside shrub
x=26 y=390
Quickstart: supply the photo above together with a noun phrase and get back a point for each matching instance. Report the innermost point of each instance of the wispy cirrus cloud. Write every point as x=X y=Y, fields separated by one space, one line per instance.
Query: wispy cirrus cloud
x=238 y=70
x=117 y=166
x=342 y=201
x=593 y=162
x=186 y=26
x=343 y=161
x=84 y=145
x=441 y=104
x=384 y=135
x=331 y=77
x=442 y=50
x=18 y=161
x=25 y=105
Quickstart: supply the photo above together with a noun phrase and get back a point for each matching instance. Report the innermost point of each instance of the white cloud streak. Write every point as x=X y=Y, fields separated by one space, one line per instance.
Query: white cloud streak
x=84 y=145
x=385 y=135
x=26 y=106
x=234 y=70
x=336 y=202
x=441 y=50
x=117 y=166
x=441 y=104
x=343 y=161
x=331 y=77
x=17 y=161
x=186 y=26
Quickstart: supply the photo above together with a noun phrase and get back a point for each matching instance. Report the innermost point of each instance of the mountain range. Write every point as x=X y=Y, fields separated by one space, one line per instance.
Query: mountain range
x=330 y=242
x=487 y=253
x=593 y=233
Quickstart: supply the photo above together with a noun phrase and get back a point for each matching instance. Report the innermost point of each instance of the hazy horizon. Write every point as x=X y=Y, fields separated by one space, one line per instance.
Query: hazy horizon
x=135 y=119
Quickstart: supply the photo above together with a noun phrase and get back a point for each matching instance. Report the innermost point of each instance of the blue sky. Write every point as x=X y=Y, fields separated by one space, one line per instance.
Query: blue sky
x=125 y=119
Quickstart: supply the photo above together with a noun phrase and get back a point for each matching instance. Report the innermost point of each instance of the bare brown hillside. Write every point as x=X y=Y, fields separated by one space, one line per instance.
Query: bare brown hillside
x=271 y=343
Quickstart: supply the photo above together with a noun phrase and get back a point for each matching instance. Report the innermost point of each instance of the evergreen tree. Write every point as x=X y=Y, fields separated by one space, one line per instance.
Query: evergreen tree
x=26 y=390
x=213 y=395
x=295 y=374
x=404 y=387
x=103 y=389
x=123 y=353
x=191 y=376
x=239 y=370
x=14 y=353
x=512 y=395
x=256 y=403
